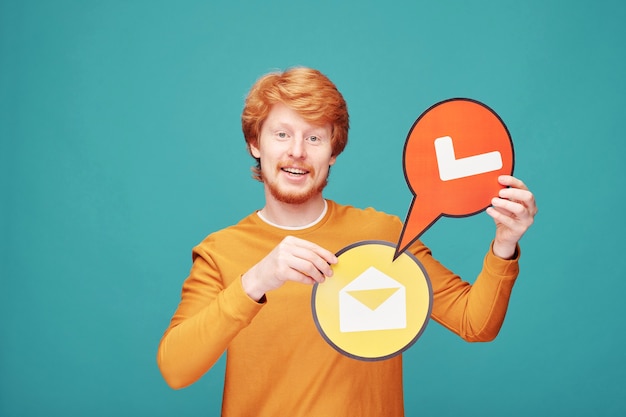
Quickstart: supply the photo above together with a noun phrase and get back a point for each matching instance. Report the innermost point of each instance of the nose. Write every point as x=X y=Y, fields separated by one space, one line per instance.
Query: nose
x=297 y=149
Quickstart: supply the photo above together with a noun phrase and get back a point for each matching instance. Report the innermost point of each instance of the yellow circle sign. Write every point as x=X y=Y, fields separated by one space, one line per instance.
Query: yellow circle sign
x=373 y=307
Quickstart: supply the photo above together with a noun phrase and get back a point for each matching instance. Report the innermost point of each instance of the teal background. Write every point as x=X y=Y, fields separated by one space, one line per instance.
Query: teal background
x=121 y=149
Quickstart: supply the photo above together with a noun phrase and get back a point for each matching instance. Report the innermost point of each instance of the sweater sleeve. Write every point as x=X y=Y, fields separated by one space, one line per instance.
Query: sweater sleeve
x=208 y=317
x=473 y=311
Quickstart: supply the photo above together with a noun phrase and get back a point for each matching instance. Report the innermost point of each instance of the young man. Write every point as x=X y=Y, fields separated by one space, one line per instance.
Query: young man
x=249 y=289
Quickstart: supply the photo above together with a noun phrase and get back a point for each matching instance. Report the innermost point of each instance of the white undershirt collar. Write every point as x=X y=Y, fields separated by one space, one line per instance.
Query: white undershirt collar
x=306 y=226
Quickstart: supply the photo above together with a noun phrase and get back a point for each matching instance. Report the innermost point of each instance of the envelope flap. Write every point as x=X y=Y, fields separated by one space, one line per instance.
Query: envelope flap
x=371 y=279
x=373 y=298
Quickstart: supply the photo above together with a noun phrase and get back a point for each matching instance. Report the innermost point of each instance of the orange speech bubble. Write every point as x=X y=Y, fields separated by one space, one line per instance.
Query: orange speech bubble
x=453 y=156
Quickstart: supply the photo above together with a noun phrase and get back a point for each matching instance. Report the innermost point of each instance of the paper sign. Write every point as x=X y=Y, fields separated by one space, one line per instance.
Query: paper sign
x=373 y=307
x=453 y=156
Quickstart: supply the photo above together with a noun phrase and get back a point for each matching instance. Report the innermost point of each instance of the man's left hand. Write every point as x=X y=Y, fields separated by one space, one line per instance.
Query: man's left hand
x=514 y=212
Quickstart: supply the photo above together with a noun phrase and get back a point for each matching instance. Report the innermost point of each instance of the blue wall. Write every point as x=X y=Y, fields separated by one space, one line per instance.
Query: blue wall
x=121 y=149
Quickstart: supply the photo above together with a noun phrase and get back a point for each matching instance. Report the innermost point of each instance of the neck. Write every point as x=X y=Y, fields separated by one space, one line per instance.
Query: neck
x=293 y=215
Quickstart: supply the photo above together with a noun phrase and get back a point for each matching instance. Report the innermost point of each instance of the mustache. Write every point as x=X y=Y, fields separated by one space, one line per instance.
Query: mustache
x=295 y=165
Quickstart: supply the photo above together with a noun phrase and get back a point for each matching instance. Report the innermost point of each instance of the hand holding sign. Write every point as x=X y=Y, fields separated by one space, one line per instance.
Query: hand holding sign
x=453 y=156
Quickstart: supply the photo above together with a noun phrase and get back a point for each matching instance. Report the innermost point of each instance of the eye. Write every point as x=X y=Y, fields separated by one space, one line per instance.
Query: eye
x=281 y=135
x=314 y=139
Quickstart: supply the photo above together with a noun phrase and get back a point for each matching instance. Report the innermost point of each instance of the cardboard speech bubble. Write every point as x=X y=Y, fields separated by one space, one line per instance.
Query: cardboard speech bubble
x=453 y=156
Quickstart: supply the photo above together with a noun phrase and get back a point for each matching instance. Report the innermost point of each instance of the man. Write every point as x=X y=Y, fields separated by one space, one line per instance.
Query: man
x=249 y=288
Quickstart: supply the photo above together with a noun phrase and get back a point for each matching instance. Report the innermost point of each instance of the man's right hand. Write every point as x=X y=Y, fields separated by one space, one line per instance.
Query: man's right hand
x=292 y=260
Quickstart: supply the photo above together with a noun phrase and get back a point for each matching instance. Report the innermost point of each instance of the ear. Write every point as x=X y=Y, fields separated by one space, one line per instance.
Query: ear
x=332 y=161
x=254 y=150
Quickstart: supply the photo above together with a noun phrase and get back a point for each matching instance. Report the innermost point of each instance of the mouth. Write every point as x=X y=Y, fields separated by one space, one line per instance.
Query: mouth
x=295 y=171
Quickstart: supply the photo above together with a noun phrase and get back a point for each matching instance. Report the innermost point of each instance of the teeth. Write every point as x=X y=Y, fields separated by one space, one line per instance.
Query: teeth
x=295 y=171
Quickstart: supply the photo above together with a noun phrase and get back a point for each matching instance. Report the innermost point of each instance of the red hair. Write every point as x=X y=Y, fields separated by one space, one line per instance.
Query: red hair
x=305 y=90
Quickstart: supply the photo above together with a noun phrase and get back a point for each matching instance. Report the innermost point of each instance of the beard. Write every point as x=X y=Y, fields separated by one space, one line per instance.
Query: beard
x=295 y=197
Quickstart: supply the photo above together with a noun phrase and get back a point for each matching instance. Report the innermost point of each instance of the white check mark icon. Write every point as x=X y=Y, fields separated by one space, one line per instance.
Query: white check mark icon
x=451 y=168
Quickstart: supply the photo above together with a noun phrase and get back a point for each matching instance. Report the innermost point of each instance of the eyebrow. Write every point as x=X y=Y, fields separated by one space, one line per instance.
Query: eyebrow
x=313 y=130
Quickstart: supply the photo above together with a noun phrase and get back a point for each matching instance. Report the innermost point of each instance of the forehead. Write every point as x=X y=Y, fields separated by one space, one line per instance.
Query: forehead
x=282 y=116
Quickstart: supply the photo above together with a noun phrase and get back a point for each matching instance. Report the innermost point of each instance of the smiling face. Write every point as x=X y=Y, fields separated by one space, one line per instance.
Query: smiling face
x=295 y=156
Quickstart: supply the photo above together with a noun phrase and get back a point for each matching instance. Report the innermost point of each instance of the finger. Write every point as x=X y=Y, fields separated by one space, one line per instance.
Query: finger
x=297 y=276
x=312 y=252
x=516 y=194
x=509 y=207
x=313 y=260
x=523 y=197
x=511 y=181
x=512 y=215
x=505 y=220
x=326 y=255
x=305 y=271
x=497 y=214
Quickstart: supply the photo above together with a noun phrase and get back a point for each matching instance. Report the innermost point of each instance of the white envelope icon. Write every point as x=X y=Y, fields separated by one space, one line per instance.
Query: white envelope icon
x=372 y=301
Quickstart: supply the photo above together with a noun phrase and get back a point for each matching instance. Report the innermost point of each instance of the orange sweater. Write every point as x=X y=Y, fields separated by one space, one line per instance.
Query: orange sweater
x=277 y=362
